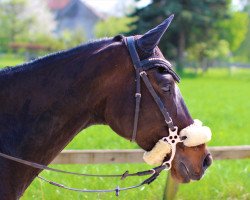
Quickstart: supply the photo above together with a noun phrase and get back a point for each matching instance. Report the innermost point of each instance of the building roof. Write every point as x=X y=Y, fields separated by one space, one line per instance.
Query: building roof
x=57 y=4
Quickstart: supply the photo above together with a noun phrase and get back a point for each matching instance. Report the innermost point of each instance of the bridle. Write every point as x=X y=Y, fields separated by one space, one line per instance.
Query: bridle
x=140 y=69
x=173 y=138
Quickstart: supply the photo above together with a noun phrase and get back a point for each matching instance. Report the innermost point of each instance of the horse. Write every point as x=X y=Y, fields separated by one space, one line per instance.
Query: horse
x=46 y=102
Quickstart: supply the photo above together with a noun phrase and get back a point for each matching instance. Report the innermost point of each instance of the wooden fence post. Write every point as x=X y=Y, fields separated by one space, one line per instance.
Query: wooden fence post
x=171 y=188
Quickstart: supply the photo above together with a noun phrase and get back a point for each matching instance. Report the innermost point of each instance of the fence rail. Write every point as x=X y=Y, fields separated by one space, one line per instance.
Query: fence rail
x=135 y=156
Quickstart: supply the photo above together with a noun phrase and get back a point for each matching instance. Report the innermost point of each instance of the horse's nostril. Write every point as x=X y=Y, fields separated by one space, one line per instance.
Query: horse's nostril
x=207 y=161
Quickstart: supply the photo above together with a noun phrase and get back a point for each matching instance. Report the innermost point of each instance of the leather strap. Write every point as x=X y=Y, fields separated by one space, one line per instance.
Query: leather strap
x=155 y=172
x=136 y=63
x=117 y=190
x=158 y=101
x=140 y=67
x=44 y=167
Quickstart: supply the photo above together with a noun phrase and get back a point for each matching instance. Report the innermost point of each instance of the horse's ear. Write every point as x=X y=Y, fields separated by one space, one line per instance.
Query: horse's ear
x=152 y=38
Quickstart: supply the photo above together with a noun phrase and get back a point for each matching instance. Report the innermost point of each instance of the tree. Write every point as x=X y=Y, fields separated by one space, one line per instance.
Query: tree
x=234 y=29
x=10 y=23
x=194 y=22
x=204 y=53
x=43 y=21
x=227 y=38
x=243 y=53
x=23 y=20
x=112 y=26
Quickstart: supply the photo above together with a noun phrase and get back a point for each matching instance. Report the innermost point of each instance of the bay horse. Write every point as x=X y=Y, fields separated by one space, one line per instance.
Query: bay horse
x=46 y=102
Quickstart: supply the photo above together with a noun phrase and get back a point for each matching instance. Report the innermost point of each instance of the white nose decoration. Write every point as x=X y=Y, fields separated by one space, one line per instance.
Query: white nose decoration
x=194 y=135
x=158 y=153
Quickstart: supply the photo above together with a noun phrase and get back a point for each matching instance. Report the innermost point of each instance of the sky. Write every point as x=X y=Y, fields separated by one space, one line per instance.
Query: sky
x=108 y=6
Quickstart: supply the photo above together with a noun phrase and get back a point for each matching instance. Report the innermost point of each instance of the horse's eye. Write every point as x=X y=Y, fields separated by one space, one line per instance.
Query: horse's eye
x=162 y=70
x=166 y=88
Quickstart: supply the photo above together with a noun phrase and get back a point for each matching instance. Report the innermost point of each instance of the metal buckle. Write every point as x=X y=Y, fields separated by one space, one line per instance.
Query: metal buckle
x=138 y=95
x=142 y=72
x=169 y=122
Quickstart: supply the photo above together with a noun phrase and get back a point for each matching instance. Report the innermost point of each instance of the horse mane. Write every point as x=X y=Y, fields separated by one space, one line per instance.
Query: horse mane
x=85 y=49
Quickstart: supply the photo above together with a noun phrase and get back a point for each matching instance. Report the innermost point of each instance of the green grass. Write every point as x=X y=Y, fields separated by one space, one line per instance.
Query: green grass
x=223 y=180
x=10 y=60
x=220 y=99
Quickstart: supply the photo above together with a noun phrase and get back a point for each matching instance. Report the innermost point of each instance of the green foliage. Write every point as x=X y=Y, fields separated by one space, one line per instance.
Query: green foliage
x=202 y=30
x=29 y=22
x=229 y=35
x=234 y=29
x=72 y=38
x=243 y=53
x=193 y=23
x=113 y=26
x=67 y=39
x=24 y=22
x=199 y=52
x=11 y=22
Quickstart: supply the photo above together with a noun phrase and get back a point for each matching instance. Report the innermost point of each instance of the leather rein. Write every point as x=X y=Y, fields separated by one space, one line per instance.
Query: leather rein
x=173 y=138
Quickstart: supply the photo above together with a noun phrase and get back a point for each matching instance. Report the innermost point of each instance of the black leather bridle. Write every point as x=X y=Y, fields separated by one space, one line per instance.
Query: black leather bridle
x=172 y=138
x=140 y=68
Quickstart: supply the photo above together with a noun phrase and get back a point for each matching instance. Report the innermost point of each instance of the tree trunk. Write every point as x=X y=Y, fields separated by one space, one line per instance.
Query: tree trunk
x=180 y=51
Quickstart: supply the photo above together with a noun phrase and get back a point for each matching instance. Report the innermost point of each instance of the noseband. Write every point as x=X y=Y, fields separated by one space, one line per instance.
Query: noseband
x=172 y=139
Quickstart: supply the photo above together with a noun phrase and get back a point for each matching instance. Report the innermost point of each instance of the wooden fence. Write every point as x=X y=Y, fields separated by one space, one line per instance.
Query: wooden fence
x=135 y=156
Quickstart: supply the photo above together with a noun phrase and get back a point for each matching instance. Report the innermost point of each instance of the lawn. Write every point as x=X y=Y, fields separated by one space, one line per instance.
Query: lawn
x=221 y=99
x=9 y=60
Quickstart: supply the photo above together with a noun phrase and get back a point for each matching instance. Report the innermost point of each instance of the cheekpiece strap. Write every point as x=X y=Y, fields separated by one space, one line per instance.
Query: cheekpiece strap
x=136 y=63
x=140 y=67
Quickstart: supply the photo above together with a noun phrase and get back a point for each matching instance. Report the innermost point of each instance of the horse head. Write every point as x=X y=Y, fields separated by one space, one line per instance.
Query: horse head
x=191 y=158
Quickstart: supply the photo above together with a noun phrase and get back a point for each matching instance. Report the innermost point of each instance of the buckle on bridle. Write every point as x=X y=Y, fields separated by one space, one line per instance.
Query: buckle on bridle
x=169 y=122
x=138 y=95
x=142 y=72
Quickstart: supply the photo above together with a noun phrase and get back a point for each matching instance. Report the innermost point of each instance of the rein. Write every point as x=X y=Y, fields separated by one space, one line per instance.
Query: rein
x=154 y=172
x=172 y=139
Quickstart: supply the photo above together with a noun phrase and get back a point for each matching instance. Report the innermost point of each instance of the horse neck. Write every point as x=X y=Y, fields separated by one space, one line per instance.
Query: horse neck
x=46 y=107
